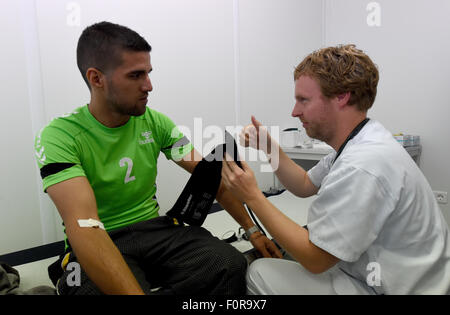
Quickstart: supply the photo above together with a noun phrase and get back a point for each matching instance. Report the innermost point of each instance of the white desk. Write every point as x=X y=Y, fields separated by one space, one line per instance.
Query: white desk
x=315 y=153
x=321 y=150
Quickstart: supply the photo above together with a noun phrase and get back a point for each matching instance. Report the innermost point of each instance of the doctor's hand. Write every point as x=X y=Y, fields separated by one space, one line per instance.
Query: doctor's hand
x=243 y=185
x=256 y=136
x=241 y=182
x=266 y=247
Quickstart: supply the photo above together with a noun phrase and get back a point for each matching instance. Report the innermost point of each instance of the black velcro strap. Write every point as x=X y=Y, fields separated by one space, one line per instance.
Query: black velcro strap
x=182 y=142
x=197 y=197
x=54 y=168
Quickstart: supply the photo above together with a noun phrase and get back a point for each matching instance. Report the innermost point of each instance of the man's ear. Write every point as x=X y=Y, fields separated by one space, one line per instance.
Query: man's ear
x=95 y=78
x=343 y=99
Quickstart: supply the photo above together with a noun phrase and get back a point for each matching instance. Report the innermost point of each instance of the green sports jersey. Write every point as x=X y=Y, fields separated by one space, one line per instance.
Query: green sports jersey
x=119 y=163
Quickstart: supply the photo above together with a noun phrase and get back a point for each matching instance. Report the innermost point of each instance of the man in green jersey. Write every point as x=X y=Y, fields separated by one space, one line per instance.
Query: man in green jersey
x=98 y=165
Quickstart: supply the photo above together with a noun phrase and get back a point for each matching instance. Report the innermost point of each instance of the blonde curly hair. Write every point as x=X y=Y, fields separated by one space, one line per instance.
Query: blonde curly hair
x=342 y=69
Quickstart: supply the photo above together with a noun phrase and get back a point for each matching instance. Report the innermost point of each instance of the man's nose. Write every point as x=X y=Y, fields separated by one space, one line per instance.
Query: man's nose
x=147 y=87
x=296 y=112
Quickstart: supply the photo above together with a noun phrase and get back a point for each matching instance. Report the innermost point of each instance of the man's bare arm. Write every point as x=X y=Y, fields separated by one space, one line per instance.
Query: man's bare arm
x=293 y=177
x=95 y=251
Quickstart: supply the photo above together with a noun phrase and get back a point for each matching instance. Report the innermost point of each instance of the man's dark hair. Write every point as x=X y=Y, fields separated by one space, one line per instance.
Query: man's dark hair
x=100 y=46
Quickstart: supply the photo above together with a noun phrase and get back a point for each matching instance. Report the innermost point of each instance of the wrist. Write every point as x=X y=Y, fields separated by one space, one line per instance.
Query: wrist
x=274 y=149
x=251 y=232
x=271 y=146
x=256 y=200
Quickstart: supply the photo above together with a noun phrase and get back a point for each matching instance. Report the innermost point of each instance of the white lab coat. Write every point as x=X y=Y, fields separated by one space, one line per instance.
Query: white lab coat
x=376 y=212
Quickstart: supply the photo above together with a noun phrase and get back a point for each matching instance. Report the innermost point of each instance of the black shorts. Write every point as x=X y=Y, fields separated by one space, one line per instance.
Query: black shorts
x=167 y=258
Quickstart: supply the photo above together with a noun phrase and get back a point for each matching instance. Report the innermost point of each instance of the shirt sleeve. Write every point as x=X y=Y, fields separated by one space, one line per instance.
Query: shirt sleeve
x=174 y=144
x=56 y=155
x=321 y=169
x=348 y=213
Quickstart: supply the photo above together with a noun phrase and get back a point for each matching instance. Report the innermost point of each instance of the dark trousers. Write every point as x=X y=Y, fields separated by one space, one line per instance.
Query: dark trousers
x=177 y=259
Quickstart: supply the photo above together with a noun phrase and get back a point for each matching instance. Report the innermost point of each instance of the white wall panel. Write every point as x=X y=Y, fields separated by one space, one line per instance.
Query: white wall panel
x=274 y=37
x=412 y=49
x=20 y=222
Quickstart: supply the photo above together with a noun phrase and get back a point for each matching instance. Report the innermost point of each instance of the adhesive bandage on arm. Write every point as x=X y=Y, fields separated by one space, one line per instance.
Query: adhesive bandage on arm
x=91 y=223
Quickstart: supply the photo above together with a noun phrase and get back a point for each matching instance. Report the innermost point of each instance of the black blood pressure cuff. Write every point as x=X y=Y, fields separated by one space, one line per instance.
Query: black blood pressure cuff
x=197 y=197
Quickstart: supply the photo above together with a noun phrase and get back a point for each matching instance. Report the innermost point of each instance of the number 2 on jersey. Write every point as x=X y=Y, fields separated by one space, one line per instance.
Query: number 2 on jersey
x=128 y=161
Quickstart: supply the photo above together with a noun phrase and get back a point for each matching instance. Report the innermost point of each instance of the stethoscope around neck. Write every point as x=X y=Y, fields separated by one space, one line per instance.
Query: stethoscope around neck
x=350 y=137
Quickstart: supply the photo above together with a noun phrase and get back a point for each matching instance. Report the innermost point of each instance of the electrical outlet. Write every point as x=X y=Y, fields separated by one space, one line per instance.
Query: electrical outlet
x=441 y=196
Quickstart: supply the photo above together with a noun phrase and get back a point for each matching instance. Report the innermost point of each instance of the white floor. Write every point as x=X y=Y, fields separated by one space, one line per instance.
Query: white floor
x=219 y=223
